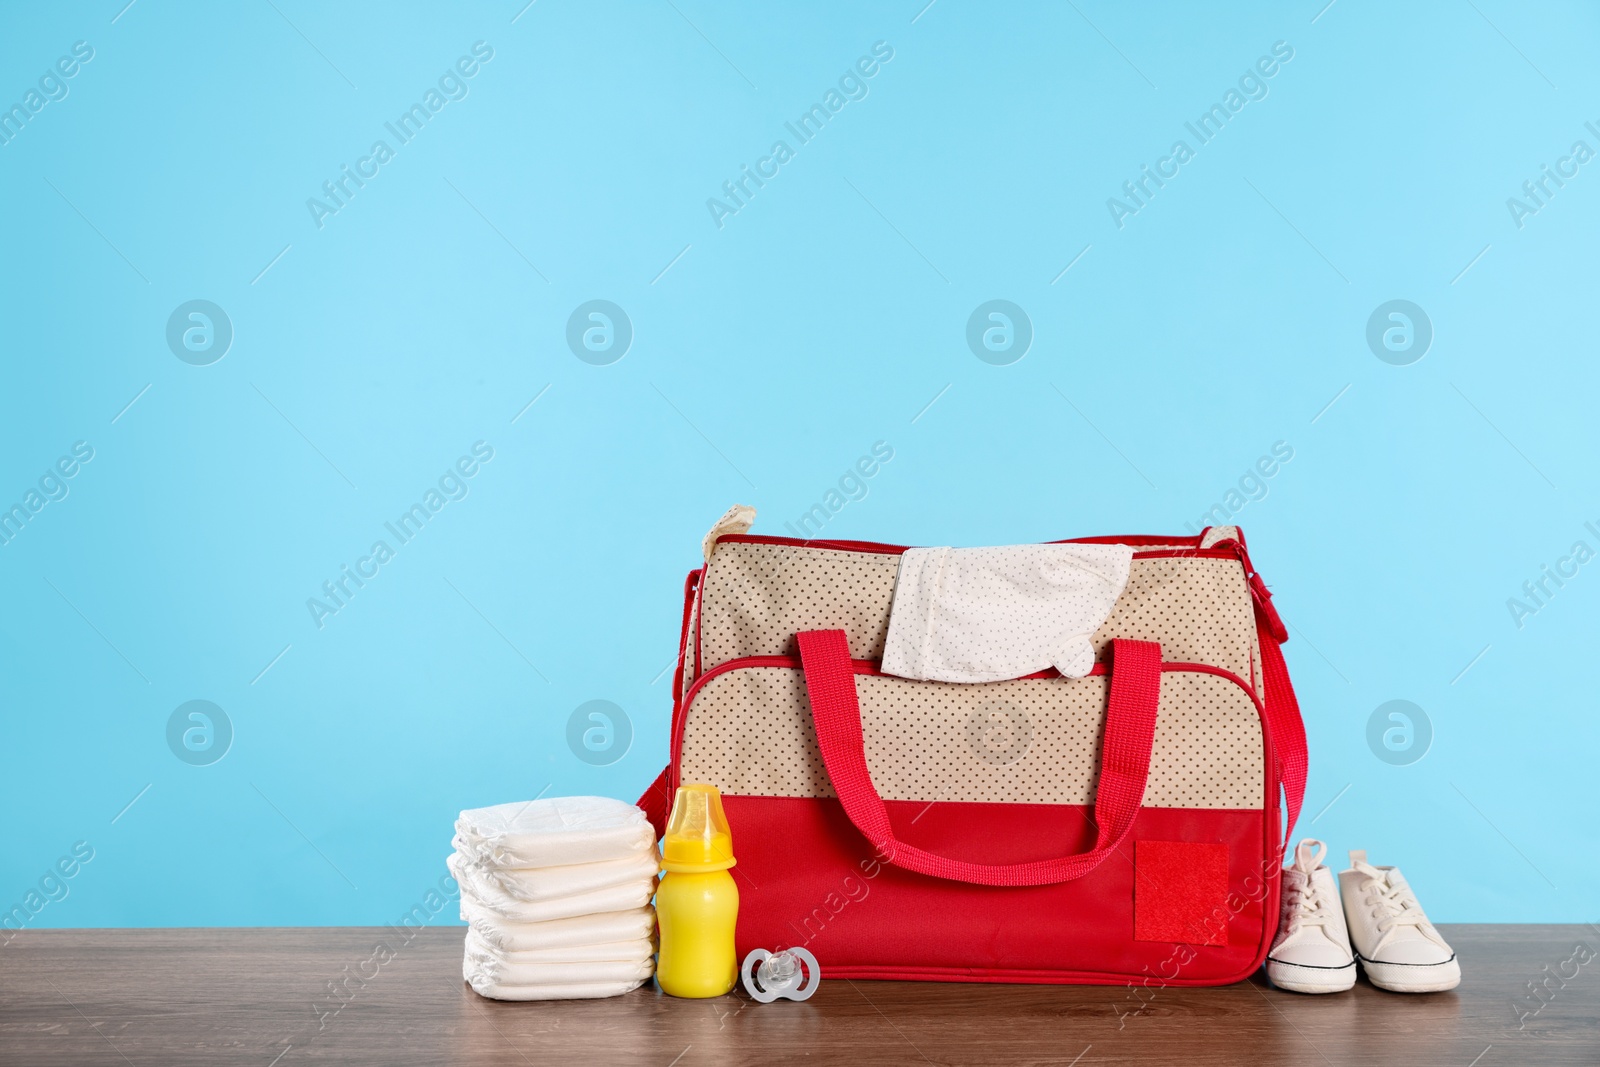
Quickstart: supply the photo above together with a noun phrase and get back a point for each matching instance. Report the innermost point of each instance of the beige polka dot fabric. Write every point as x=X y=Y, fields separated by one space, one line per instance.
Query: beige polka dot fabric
x=1028 y=741
x=758 y=596
x=1199 y=609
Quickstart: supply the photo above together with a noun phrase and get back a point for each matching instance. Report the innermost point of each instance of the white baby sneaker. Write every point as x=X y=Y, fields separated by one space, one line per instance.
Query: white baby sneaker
x=1312 y=951
x=1396 y=944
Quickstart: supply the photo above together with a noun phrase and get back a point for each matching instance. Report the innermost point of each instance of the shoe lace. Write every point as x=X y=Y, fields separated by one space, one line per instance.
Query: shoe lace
x=1393 y=905
x=1306 y=906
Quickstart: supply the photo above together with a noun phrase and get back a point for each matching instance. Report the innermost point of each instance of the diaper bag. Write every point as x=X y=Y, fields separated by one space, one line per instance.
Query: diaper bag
x=1123 y=827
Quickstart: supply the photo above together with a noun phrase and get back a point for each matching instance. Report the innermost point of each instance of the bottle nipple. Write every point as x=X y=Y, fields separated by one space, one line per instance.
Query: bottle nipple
x=698 y=839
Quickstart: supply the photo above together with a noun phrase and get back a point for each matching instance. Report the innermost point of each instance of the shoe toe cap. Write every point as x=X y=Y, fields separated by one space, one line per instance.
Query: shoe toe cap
x=1413 y=977
x=1414 y=953
x=1321 y=953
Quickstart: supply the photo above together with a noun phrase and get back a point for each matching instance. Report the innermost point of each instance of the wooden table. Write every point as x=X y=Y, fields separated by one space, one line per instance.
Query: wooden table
x=261 y=997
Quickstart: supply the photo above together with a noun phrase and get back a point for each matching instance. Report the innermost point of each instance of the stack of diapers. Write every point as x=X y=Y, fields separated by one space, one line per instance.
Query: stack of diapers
x=556 y=896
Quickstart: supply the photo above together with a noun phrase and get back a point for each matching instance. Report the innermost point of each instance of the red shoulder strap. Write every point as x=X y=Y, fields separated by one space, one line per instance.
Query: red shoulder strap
x=657 y=803
x=1284 y=726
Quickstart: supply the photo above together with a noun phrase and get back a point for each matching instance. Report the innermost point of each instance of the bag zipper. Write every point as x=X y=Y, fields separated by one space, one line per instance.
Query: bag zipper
x=1258 y=586
x=877 y=548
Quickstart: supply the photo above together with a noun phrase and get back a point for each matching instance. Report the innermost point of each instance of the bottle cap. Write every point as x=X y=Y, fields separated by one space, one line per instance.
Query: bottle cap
x=697 y=839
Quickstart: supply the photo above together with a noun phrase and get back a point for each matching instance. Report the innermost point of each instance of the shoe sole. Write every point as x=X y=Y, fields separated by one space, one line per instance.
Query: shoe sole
x=1414 y=977
x=1298 y=978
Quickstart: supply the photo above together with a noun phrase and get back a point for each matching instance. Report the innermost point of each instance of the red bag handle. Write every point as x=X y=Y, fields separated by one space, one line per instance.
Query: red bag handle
x=1124 y=763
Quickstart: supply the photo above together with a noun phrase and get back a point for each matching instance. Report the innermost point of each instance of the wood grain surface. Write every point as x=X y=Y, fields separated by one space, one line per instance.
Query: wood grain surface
x=260 y=997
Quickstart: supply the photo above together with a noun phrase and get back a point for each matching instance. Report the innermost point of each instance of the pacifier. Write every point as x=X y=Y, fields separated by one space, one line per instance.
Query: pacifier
x=770 y=975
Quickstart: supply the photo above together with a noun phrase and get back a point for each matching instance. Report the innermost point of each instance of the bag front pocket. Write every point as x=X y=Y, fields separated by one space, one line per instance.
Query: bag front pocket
x=746 y=728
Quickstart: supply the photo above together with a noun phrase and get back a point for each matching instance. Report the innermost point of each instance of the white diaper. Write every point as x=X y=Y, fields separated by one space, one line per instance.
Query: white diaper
x=491 y=897
x=501 y=972
x=569 y=879
x=554 y=832
x=486 y=987
x=988 y=614
x=558 y=934
x=636 y=951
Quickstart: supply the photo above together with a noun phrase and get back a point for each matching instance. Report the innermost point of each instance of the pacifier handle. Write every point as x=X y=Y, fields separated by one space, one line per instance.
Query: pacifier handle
x=812 y=976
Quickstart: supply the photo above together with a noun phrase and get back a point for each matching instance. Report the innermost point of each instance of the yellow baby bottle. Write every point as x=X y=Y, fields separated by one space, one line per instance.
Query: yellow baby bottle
x=697 y=902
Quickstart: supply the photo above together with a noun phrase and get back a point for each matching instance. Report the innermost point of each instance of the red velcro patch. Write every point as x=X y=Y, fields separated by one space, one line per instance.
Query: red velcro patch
x=1180 y=892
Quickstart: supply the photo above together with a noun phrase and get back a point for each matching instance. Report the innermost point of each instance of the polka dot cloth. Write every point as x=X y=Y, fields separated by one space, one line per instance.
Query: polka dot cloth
x=757 y=597
x=990 y=614
x=1027 y=741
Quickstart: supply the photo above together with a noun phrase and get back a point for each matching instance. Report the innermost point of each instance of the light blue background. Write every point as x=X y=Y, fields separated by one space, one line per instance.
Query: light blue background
x=1227 y=315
